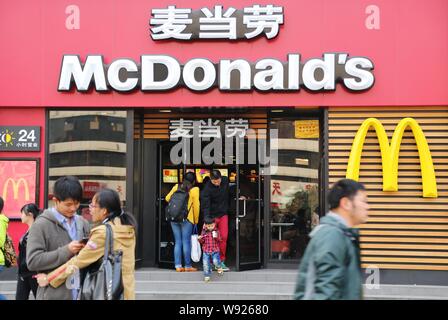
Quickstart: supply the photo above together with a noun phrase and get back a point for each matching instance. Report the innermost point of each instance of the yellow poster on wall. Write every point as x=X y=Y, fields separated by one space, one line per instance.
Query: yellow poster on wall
x=170 y=176
x=224 y=172
x=306 y=129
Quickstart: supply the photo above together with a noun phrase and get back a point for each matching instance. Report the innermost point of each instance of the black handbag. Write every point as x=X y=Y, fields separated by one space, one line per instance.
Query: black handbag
x=103 y=281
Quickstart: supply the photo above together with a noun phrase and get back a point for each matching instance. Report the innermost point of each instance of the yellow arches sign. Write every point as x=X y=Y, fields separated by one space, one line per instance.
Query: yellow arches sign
x=15 y=188
x=390 y=154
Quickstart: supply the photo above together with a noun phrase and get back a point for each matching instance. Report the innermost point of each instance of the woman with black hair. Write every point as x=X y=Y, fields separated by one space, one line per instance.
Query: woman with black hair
x=25 y=280
x=105 y=208
x=182 y=230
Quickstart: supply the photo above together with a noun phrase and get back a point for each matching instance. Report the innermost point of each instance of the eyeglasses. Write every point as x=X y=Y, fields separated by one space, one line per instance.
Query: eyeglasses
x=91 y=205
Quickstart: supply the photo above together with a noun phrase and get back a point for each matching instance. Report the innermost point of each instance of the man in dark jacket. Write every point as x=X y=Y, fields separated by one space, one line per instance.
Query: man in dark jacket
x=331 y=268
x=215 y=199
x=55 y=236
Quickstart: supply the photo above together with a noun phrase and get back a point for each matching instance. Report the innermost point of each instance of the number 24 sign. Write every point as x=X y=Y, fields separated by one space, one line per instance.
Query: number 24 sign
x=15 y=138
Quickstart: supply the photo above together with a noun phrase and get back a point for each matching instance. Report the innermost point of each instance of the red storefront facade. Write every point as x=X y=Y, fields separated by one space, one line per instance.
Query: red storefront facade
x=406 y=41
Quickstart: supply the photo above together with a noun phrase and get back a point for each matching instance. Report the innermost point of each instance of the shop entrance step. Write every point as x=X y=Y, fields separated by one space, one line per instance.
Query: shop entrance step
x=263 y=284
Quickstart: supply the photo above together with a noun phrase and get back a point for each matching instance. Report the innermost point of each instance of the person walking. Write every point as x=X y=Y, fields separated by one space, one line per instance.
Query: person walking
x=4 y=221
x=215 y=199
x=25 y=280
x=105 y=209
x=55 y=236
x=331 y=268
x=182 y=230
x=210 y=239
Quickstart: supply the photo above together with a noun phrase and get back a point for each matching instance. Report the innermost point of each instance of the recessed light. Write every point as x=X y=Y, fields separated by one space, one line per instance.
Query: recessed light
x=166 y=111
x=278 y=111
x=303 y=162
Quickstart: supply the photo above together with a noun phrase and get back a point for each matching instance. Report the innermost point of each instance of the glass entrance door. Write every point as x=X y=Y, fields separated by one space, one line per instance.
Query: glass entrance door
x=244 y=245
x=248 y=217
x=169 y=175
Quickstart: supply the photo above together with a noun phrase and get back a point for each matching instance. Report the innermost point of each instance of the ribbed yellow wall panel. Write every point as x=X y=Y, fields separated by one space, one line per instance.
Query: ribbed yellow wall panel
x=404 y=231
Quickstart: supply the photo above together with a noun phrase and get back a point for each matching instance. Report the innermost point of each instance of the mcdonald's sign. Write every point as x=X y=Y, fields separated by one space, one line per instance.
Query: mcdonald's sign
x=15 y=188
x=390 y=154
x=18 y=184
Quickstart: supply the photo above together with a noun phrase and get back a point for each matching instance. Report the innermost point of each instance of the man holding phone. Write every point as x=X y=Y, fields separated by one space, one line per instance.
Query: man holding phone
x=57 y=235
x=84 y=240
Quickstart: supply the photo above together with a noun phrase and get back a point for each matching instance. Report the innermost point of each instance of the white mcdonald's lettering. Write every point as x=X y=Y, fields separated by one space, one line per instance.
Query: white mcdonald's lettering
x=200 y=74
x=390 y=154
x=15 y=188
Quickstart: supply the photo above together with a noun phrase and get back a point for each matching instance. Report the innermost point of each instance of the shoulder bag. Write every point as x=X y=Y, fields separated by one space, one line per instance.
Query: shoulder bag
x=105 y=282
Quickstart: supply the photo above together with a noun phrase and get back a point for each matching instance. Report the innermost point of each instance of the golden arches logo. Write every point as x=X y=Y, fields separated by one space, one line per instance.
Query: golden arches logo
x=390 y=154
x=15 y=188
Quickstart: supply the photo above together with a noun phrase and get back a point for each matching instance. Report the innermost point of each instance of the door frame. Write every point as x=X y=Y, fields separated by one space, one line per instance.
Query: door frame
x=321 y=113
x=260 y=205
x=258 y=264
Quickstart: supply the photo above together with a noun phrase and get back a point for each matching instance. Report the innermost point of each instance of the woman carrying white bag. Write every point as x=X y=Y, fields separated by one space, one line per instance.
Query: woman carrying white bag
x=195 y=245
x=183 y=230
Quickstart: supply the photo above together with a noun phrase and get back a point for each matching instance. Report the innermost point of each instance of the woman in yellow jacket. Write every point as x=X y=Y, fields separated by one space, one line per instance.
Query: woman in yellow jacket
x=182 y=230
x=4 y=221
x=105 y=208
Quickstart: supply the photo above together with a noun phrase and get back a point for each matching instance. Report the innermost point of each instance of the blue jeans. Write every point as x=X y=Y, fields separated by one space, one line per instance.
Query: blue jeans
x=2 y=297
x=182 y=243
x=206 y=262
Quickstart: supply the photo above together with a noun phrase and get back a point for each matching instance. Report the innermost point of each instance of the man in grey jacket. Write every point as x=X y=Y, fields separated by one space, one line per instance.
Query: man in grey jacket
x=55 y=236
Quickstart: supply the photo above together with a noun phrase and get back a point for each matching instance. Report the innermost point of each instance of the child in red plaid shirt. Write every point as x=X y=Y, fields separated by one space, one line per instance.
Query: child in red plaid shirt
x=210 y=239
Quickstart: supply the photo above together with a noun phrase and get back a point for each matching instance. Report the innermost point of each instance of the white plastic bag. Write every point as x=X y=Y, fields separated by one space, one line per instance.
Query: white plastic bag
x=195 y=246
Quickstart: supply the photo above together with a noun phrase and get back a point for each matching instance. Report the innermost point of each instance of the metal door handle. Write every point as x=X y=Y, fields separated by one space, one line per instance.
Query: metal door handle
x=244 y=208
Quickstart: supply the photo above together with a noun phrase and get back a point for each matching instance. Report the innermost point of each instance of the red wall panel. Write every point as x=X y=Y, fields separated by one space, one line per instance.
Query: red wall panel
x=409 y=50
x=25 y=117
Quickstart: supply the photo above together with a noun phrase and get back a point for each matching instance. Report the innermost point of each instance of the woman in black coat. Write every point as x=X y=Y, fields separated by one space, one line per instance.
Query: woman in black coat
x=25 y=281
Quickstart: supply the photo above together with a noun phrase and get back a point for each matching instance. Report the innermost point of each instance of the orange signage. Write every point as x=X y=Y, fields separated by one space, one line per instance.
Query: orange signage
x=170 y=176
x=306 y=129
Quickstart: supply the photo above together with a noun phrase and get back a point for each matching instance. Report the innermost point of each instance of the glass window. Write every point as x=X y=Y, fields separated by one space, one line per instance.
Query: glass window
x=294 y=189
x=90 y=145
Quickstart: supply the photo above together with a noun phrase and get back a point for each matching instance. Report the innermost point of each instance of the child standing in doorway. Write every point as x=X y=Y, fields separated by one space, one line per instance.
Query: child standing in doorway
x=210 y=239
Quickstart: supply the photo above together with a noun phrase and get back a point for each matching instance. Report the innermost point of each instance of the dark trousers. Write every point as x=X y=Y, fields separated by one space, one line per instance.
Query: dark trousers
x=24 y=286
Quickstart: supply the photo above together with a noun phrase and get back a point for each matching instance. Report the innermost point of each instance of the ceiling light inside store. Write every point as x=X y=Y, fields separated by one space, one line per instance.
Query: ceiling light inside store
x=166 y=111
x=302 y=162
x=277 y=111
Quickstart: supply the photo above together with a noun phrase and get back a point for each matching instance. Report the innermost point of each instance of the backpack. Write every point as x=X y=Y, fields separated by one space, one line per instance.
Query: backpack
x=9 y=252
x=177 y=208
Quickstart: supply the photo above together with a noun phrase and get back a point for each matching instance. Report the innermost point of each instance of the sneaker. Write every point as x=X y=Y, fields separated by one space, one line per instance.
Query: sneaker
x=190 y=269
x=206 y=279
x=180 y=269
x=220 y=271
x=224 y=267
